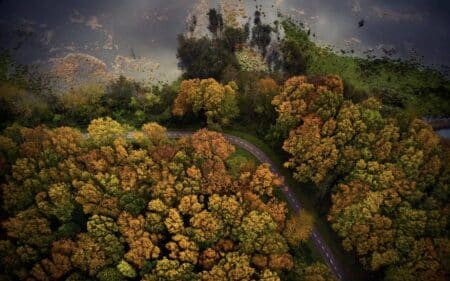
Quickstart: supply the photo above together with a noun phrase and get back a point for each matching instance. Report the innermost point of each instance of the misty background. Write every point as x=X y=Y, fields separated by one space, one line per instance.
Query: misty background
x=144 y=32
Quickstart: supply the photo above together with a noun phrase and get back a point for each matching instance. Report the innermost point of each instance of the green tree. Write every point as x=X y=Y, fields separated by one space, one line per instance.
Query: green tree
x=215 y=25
x=261 y=34
x=203 y=58
x=119 y=92
x=126 y=269
x=110 y=274
x=104 y=131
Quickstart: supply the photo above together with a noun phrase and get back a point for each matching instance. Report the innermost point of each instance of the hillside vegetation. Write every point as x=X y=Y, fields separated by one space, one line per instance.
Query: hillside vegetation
x=403 y=84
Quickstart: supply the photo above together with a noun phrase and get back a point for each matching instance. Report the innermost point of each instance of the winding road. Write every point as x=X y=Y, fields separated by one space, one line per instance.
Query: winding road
x=317 y=239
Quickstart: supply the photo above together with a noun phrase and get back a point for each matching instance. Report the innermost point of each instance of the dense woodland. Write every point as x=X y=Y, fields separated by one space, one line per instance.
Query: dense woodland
x=85 y=199
x=388 y=181
x=147 y=207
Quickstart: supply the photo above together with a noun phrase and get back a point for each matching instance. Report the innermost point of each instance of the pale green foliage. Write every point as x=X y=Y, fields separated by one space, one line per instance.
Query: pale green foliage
x=126 y=269
x=103 y=131
x=251 y=60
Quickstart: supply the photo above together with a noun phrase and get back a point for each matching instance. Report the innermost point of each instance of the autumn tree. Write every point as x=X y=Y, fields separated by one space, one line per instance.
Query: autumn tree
x=140 y=242
x=182 y=249
x=301 y=97
x=8 y=154
x=263 y=180
x=312 y=272
x=216 y=101
x=154 y=132
x=298 y=228
x=232 y=267
x=89 y=255
x=110 y=273
x=29 y=227
x=228 y=208
x=126 y=269
x=265 y=90
x=314 y=156
x=58 y=264
x=109 y=207
x=171 y=270
x=104 y=131
x=58 y=202
x=383 y=206
x=257 y=233
x=206 y=228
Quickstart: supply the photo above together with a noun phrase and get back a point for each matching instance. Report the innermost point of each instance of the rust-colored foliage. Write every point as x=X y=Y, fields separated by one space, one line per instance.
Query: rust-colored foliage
x=104 y=205
x=313 y=156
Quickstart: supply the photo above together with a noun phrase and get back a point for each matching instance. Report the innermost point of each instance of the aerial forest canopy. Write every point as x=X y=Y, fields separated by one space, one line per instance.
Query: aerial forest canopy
x=93 y=188
x=388 y=180
x=144 y=207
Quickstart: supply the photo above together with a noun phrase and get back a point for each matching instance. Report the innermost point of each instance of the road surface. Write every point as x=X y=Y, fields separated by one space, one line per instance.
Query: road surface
x=317 y=239
x=438 y=123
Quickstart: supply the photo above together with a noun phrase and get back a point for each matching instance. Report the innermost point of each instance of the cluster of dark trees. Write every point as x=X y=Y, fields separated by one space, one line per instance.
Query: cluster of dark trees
x=213 y=55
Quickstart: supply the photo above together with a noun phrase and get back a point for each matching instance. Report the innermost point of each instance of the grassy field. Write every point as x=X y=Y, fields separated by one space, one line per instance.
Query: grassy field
x=420 y=90
x=244 y=153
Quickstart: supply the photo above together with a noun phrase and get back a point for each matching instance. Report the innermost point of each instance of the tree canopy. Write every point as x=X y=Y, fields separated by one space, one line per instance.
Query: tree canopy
x=142 y=207
x=388 y=184
x=216 y=101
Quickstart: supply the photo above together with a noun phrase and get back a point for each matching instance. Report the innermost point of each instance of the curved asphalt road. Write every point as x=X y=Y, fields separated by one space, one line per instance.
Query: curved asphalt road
x=317 y=239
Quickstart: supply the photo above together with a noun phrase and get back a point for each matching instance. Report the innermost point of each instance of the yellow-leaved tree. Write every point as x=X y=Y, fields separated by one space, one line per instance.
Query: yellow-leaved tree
x=207 y=96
